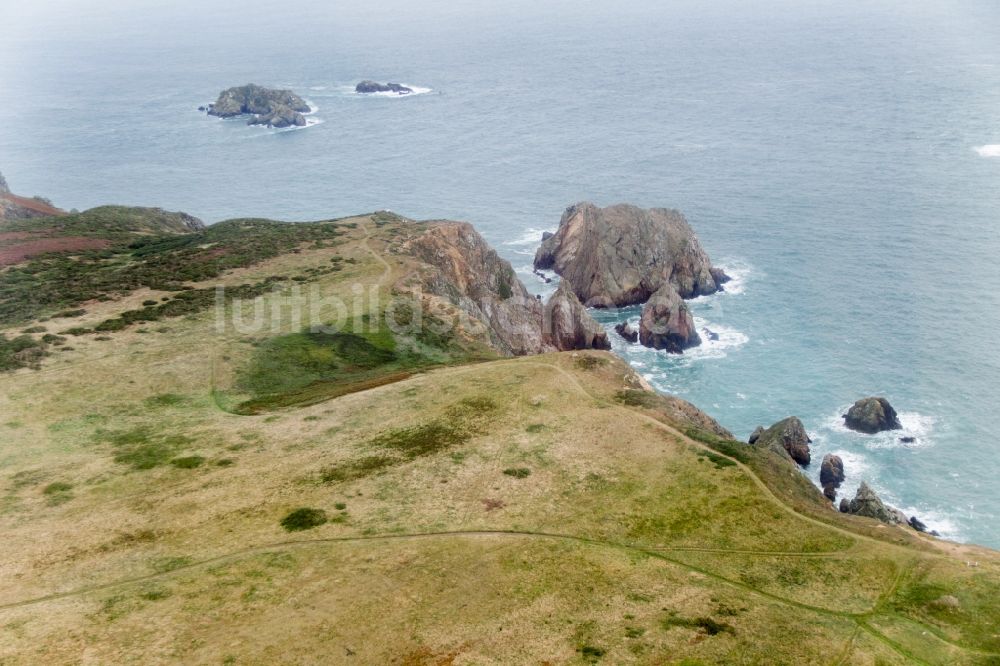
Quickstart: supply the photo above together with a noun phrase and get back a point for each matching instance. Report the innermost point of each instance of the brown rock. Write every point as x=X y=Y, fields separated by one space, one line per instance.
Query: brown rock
x=621 y=255
x=872 y=415
x=567 y=324
x=667 y=323
x=831 y=475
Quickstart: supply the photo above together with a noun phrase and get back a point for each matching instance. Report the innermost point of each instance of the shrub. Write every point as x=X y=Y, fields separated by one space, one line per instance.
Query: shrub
x=517 y=472
x=303 y=519
x=188 y=462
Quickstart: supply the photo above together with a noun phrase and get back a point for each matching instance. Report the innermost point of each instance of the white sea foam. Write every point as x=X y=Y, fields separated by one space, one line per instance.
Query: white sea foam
x=918 y=426
x=531 y=236
x=989 y=150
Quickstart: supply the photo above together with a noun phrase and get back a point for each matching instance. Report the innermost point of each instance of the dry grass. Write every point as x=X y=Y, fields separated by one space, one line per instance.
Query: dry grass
x=627 y=542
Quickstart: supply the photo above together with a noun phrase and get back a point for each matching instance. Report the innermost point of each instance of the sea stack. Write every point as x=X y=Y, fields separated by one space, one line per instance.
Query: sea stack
x=667 y=322
x=872 y=415
x=622 y=255
x=271 y=107
x=831 y=475
x=568 y=325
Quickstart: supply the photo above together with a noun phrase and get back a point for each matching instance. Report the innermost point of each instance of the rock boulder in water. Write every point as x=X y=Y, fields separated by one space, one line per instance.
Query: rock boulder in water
x=627 y=332
x=369 y=87
x=787 y=436
x=667 y=323
x=831 y=475
x=872 y=415
x=622 y=255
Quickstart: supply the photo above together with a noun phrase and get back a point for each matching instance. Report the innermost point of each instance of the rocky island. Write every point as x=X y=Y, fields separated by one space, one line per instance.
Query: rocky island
x=623 y=255
x=369 y=87
x=271 y=107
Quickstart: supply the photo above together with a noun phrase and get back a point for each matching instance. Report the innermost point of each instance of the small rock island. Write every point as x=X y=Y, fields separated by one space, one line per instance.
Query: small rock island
x=271 y=107
x=369 y=87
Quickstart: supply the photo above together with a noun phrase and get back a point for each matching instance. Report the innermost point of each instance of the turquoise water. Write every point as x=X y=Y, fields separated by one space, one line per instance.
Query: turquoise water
x=825 y=152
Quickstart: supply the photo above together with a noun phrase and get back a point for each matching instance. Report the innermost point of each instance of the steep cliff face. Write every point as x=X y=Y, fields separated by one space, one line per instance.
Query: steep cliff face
x=622 y=254
x=468 y=273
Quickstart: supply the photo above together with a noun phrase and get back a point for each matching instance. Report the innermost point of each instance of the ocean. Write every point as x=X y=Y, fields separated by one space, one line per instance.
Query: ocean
x=840 y=159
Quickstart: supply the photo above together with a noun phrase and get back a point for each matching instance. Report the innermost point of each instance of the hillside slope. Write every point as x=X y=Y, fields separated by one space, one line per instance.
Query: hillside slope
x=187 y=485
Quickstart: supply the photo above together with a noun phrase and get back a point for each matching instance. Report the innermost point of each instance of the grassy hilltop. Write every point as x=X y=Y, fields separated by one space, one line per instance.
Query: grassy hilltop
x=177 y=488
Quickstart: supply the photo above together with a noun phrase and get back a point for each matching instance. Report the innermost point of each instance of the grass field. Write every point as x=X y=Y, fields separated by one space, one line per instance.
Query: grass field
x=177 y=494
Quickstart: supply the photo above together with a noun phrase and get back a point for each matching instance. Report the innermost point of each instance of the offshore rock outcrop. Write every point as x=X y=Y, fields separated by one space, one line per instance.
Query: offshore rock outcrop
x=867 y=503
x=567 y=325
x=667 y=323
x=627 y=332
x=274 y=108
x=369 y=87
x=872 y=415
x=787 y=437
x=622 y=255
x=466 y=272
x=831 y=475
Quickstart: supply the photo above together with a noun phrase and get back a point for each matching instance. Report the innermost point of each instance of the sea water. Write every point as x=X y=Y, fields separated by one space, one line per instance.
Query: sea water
x=840 y=160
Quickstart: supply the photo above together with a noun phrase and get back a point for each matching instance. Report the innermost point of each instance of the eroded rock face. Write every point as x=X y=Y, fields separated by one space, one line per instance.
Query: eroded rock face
x=667 y=323
x=568 y=325
x=275 y=108
x=465 y=271
x=471 y=275
x=368 y=87
x=622 y=255
x=872 y=415
x=3 y=185
x=867 y=503
x=831 y=475
x=787 y=436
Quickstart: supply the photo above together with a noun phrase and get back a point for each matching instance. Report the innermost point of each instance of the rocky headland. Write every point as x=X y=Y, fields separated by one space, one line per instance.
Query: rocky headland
x=369 y=87
x=271 y=107
x=464 y=271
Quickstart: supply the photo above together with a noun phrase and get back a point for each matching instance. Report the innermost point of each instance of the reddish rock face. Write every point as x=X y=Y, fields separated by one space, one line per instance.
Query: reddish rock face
x=621 y=255
x=466 y=271
x=667 y=323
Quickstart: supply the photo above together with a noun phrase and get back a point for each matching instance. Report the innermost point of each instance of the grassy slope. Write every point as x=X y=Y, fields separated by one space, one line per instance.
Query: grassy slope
x=142 y=515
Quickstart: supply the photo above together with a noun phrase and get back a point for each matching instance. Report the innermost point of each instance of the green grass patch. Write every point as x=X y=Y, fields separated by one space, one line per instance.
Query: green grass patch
x=143 y=448
x=303 y=519
x=188 y=462
x=518 y=472
x=57 y=487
